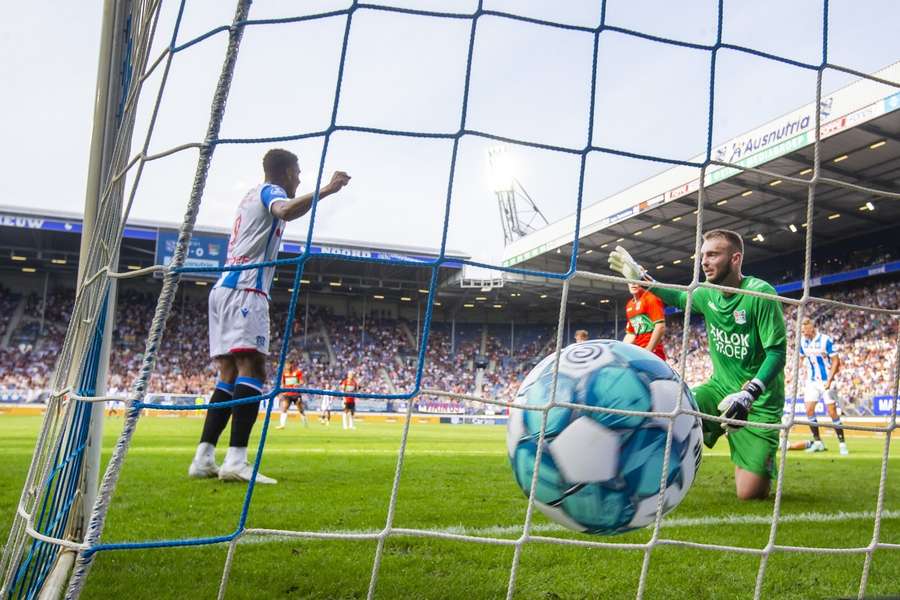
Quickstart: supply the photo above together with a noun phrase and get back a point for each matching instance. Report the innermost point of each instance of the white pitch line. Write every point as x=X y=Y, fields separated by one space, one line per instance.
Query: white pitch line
x=339 y=451
x=413 y=451
x=438 y=452
x=185 y=450
x=501 y=530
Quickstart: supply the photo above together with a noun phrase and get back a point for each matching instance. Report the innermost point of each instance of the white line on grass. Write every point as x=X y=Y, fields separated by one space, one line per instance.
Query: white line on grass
x=188 y=451
x=500 y=530
x=339 y=451
x=439 y=452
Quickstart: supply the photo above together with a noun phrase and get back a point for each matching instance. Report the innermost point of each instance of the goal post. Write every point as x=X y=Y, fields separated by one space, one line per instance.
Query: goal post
x=109 y=97
x=64 y=474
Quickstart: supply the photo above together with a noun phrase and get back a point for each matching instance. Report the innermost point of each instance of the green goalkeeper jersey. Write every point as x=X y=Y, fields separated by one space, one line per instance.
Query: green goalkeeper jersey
x=741 y=330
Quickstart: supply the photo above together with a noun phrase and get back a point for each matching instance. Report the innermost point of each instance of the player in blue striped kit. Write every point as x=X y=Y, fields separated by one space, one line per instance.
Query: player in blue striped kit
x=239 y=312
x=822 y=365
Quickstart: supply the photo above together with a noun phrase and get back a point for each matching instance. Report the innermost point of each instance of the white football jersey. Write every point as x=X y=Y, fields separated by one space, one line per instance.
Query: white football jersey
x=818 y=352
x=255 y=237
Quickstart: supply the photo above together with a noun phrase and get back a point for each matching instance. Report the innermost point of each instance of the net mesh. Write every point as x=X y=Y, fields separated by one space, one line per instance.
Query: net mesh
x=49 y=513
x=100 y=271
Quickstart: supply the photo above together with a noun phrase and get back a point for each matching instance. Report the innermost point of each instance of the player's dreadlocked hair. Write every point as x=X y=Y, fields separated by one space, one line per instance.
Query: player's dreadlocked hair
x=732 y=237
x=277 y=161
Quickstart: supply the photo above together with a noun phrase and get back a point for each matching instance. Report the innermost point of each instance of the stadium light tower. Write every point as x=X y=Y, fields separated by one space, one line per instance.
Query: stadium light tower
x=517 y=221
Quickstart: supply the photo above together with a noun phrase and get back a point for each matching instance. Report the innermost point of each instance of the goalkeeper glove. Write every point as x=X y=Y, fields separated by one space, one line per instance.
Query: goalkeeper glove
x=737 y=405
x=621 y=262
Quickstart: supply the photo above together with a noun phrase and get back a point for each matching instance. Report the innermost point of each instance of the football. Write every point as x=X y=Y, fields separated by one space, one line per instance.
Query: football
x=600 y=472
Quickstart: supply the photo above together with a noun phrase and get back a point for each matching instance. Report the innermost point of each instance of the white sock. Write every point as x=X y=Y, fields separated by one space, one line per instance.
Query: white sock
x=350 y=418
x=283 y=418
x=235 y=456
x=344 y=420
x=205 y=452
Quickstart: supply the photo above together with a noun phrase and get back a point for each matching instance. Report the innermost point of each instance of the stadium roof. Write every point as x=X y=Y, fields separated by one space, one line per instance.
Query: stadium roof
x=51 y=220
x=32 y=239
x=656 y=218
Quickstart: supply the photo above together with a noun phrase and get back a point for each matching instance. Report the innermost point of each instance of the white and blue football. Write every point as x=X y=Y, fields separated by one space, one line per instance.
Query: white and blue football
x=600 y=472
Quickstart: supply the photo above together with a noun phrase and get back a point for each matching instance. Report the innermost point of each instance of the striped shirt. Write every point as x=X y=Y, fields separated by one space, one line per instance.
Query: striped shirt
x=818 y=352
x=255 y=237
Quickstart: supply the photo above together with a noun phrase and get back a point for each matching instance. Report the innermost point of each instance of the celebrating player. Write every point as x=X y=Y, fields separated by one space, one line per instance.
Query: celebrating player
x=292 y=377
x=823 y=364
x=747 y=347
x=239 y=312
x=646 y=323
x=349 y=384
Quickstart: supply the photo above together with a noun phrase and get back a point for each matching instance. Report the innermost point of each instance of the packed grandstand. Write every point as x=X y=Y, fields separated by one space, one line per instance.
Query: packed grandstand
x=383 y=351
x=368 y=316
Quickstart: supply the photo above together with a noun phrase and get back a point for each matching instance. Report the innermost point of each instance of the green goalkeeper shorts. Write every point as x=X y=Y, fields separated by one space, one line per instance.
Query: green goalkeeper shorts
x=752 y=449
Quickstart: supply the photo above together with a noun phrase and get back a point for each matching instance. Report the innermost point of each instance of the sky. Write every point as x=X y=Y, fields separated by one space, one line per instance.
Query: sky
x=407 y=73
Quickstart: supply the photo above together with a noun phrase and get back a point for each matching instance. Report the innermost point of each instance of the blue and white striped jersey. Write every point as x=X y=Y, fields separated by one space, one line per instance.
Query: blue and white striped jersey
x=818 y=352
x=255 y=237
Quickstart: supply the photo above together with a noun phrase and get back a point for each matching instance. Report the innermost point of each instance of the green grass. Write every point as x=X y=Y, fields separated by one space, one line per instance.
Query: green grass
x=453 y=477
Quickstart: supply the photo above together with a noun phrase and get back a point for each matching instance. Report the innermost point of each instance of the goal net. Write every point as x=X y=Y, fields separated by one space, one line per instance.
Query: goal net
x=60 y=517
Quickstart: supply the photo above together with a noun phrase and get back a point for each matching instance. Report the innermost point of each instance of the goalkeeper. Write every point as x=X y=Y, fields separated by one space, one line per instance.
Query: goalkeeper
x=747 y=344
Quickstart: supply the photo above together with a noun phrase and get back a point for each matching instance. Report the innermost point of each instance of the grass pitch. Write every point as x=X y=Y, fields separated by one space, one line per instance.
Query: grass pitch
x=457 y=478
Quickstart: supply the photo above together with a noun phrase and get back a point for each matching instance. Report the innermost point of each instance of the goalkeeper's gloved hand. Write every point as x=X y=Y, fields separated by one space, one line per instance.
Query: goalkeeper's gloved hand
x=737 y=405
x=621 y=262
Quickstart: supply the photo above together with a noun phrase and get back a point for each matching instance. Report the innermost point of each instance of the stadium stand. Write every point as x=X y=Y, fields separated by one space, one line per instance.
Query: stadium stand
x=384 y=357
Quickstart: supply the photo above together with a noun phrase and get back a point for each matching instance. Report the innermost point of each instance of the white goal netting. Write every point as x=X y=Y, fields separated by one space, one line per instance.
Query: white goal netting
x=46 y=525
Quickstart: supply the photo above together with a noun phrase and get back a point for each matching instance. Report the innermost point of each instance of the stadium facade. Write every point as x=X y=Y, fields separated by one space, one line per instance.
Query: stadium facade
x=856 y=240
x=655 y=219
x=856 y=120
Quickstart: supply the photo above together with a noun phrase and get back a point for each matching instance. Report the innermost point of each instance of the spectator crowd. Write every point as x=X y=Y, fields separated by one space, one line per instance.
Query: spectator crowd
x=383 y=352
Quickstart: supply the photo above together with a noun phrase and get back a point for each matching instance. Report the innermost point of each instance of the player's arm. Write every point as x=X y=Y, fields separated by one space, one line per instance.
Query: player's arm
x=772 y=365
x=621 y=262
x=291 y=209
x=773 y=337
x=835 y=363
x=629 y=333
x=658 y=330
x=657 y=313
x=675 y=298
